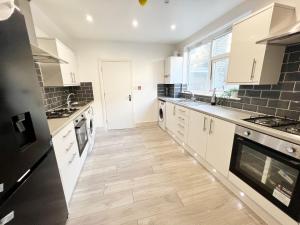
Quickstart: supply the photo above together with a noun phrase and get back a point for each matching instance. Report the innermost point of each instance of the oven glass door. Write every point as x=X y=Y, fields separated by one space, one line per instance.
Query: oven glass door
x=81 y=135
x=271 y=173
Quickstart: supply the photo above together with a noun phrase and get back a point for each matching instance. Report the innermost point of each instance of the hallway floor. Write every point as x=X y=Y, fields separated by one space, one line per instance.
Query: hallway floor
x=142 y=177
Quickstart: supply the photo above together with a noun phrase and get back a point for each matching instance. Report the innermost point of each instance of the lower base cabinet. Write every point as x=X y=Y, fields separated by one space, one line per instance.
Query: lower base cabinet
x=219 y=144
x=68 y=159
x=198 y=132
x=212 y=139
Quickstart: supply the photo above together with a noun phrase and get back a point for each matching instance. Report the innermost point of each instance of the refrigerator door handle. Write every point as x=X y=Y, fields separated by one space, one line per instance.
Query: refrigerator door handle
x=9 y=217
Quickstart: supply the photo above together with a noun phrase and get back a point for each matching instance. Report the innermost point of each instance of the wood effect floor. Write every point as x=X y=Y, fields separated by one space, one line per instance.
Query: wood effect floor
x=142 y=177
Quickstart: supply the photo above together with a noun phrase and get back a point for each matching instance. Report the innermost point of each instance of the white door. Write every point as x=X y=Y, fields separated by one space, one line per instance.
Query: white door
x=117 y=82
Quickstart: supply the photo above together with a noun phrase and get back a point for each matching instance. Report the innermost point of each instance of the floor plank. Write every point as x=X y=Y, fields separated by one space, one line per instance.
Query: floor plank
x=142 y=177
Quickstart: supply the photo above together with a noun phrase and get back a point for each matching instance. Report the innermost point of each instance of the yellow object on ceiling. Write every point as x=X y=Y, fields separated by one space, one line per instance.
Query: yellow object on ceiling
x=143 y=2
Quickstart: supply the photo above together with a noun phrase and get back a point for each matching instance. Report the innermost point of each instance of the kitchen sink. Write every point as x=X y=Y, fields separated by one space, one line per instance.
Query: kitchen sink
x=61 y=113
x=188 y=102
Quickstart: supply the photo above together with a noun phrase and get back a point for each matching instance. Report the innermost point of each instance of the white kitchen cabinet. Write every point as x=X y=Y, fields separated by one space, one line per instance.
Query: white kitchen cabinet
x=171 y=117
x=177 y=121
x=198 y=132
x=252 y=63
x=182 y=123
x=219 y=144
x=64 y=74
x=173 y=70
x=68 y=159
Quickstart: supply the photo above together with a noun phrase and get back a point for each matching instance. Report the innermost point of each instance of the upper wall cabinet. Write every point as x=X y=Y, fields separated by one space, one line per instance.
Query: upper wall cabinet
x=173 y=70
x=64 y=74
x=252 y=63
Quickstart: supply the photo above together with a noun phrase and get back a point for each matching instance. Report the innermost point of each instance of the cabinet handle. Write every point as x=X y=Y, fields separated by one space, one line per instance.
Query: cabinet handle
x=180 y=125
x=211 y=126
x=174 y=111
x=8 y=218
x=253 y=69
x=204 y=123
x=180 y=133
x=72 y=159
x=67 y=134
x=179 y=117
x=70 y=146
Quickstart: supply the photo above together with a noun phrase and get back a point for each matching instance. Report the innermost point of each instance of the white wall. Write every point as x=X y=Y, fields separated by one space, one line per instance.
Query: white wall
x=227 y=20
x=147 y=63
x=44 y=27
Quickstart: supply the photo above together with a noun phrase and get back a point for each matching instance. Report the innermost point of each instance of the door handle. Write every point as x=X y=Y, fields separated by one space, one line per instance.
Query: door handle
x=129 y=98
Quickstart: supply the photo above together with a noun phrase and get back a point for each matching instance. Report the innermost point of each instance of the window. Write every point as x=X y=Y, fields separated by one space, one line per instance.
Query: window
x=208 y=65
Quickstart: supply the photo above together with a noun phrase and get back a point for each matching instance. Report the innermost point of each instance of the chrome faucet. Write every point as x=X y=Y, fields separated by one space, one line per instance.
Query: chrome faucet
x=193 y=98
x=69 y=100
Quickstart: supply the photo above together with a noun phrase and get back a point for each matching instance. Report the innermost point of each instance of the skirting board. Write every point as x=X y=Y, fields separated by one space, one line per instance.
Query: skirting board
x=146 y=124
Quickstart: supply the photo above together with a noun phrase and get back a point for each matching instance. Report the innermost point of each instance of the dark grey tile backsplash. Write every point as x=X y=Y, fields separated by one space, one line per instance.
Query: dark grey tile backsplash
x=56 y=96
x=282 y=99
x=170 y=90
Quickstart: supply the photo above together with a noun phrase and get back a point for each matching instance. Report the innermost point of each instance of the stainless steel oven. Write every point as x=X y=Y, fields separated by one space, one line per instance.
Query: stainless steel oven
x=81 y=133
x=269 y=165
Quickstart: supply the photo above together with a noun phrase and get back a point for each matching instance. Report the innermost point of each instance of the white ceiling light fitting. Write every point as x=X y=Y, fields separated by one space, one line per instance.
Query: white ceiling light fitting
x=7 y=8
x=89 y=18
x=135 y=23
x=173 y=27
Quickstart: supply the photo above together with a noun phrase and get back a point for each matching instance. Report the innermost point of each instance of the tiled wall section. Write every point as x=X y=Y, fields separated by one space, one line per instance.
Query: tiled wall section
x=56 y=96
x=282 y=99
x=170 y=90
x=83 y=93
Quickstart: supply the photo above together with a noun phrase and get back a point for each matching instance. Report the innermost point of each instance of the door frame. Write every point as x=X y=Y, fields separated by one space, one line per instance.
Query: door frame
x=101 y=80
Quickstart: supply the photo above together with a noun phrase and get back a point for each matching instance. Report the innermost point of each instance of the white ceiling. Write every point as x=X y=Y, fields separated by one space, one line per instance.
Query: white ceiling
x=113 y=18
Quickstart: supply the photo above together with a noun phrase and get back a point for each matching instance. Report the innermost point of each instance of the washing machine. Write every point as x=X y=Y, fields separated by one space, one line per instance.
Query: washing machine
x=162 y=114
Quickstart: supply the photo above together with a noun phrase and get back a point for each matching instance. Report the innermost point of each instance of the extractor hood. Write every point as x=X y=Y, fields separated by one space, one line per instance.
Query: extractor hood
x=287 y=36
x=42 y=56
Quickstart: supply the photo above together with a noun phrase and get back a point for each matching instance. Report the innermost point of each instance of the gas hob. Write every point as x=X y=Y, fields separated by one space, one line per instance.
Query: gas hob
x=278 y=123
x=60 y=113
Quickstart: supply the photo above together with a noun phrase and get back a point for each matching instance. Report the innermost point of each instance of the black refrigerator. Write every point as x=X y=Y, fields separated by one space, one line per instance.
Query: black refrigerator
x=31 y=192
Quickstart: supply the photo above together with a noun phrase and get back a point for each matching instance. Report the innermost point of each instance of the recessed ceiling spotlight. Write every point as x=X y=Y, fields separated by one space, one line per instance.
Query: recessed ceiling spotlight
x=135 y=23
x=89 y=18
x=173 y=27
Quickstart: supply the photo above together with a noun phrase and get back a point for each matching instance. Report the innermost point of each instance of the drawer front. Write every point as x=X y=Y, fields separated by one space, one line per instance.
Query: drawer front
x=69 y=173
x=182 y=111
x=182 y=124
x=65 y=144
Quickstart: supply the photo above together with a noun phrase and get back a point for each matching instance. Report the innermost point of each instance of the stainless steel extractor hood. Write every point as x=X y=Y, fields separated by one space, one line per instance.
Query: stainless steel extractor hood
x=288 y=36
x=39 y=55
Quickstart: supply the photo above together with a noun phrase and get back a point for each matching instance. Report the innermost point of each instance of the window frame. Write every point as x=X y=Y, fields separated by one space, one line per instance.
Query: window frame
x=212 y=60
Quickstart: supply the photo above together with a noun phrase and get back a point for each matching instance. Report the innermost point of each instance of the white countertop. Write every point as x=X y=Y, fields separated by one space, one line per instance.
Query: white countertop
x=235 y=116
x=56 y=125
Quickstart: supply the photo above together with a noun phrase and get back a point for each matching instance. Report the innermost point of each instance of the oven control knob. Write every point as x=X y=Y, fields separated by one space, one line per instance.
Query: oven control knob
x=247 y=133
x=290 y=150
